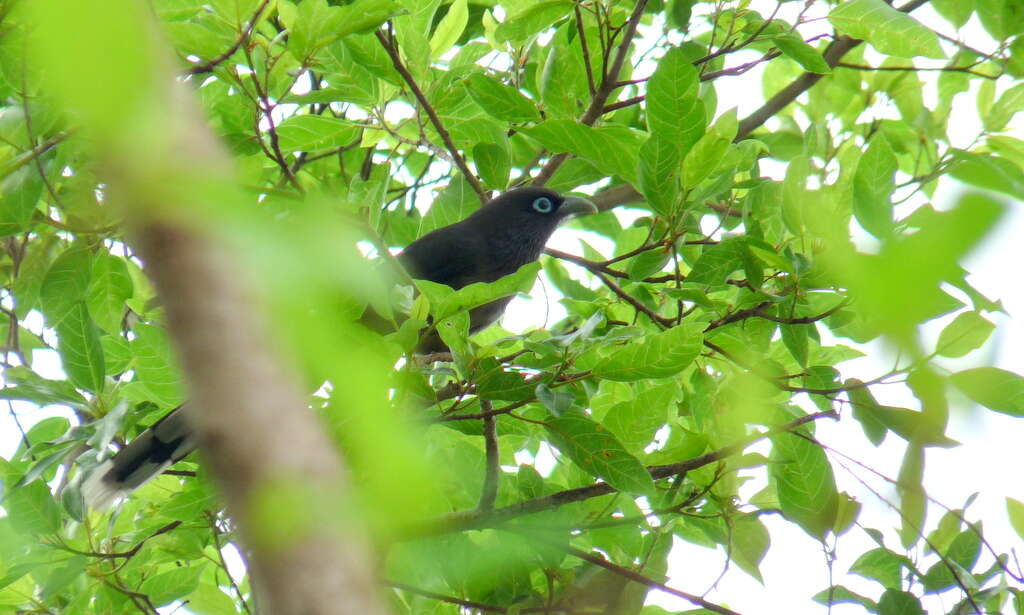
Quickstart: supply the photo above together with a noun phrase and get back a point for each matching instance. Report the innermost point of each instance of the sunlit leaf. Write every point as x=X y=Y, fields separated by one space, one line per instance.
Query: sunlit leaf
x=887 y=29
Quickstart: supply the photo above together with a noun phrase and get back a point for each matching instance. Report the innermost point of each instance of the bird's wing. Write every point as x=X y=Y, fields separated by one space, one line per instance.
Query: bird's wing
x=449 y=255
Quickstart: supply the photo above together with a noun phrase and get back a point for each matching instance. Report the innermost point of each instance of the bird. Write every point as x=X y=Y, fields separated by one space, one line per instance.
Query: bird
x=497 y=239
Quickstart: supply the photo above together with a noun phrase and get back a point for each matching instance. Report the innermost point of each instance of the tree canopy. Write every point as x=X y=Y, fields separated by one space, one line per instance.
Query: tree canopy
x=171 y=169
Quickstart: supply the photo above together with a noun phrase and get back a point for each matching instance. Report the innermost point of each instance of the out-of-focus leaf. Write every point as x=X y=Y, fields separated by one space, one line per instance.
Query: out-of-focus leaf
x=967 y=332
x=994 y=388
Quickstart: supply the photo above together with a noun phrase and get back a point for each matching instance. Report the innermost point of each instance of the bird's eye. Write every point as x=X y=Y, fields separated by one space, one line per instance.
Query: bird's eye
x=543 y=205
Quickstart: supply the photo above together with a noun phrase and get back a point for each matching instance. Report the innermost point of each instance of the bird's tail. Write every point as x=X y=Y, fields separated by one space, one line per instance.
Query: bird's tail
x=165 y=443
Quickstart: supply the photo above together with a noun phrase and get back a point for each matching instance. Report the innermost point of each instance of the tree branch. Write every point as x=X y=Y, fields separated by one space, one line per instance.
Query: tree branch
x=636 y=577
x=476 y=519
x=833 y=54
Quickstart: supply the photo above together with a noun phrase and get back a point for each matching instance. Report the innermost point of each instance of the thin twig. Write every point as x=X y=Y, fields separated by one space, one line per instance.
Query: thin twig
x=223 y=562
x=391 y=47
x=475 y=519
x=208 y=66
x=636 y=303
x=609 y=82
x=647 y=581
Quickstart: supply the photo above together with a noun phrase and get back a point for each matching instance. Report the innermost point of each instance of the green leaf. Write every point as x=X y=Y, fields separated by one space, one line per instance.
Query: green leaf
x=900 y=287
x=167 y=587
x=717 y=262
x=958 y=12
x=156 y=365
x=444 y=302
x=613 y=149
x=913 y=501
x=238 y=12
x=989 y=172
x=804 y=481
x=81 y=353
x=314 y=24
x=658 y=355
x=1015 y=512
x=635 y=422
x=1005 y=108
x=658 y=173
x=897 y=602
x=32 y=509
x=967 y=332
x=1002 y=18
x=887 y=29
x=838 y=594
x=65 y=284
x=493 y=163
x=557 y=402
x=537 y=17
x=795 y=339
x=873 y=184
x=30 y=386
x=792 y=45
x=750 y=542
x=19 y=194
x=881 y=565
x=795 y=193
x=674 y=111
x=994 y=388
x=450 y=28
x=109 y=288
x=596 y=451
x=117 y=353
x=315 y=132
x=208 y=599
x=701 y=161
x=501 y=101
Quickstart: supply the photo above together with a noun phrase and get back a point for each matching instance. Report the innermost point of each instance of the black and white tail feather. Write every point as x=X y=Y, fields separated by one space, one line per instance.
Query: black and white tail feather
x=165 y=443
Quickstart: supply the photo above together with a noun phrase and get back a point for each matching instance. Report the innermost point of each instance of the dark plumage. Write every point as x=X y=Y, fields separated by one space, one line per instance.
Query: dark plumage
x=496 y=240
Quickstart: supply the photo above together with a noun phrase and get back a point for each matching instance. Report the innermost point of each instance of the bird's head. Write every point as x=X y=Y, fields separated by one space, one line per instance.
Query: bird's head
x=537 y=207
x=518 y=223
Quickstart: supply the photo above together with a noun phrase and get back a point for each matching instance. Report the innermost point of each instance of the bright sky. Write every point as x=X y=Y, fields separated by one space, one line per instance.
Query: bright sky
x=795 y=568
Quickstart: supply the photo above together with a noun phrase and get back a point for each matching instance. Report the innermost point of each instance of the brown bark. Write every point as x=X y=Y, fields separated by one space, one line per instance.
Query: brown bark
x=281 y=477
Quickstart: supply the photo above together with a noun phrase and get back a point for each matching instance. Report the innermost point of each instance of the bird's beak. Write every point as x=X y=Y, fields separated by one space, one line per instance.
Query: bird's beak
x=576 y=206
